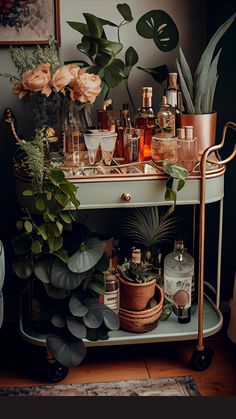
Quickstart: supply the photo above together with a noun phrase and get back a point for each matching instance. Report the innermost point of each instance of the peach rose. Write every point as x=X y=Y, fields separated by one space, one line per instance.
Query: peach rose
x=61 y=78
x=38 y=79
x=76 y=72
x=18 y=89
x=86 y=88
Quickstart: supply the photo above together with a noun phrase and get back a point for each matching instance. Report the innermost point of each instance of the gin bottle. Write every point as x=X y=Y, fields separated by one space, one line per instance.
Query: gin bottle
x=178 y=277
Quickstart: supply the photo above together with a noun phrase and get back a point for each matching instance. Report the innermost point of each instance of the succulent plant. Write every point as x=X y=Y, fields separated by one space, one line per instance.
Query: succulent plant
x=136 y=272
x=198 y=91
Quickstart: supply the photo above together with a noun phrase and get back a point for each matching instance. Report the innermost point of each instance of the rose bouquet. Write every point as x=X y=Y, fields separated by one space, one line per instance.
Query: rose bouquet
x=50 y=87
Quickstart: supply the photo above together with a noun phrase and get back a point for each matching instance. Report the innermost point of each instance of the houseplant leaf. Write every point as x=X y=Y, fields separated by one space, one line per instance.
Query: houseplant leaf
x=160 y=27
x=159 y=73
x=125 y=12
x=23 y=268
x=87 y=256
x=58 y=321
x=94 y=25
x=77 y=308
x=42 y=270
x=131 y=58
x=186 y=72
x=62 y=277
x=56 y=293
x=201 y=74
x=79 y=27
x=187 y=97
x=67 y=350
x=111 y=320
x=114 y=73
x=76 y=327
x=93 y=318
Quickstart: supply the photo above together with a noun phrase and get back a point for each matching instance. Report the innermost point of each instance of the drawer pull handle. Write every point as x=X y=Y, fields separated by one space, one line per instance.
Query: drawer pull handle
x=126 y=197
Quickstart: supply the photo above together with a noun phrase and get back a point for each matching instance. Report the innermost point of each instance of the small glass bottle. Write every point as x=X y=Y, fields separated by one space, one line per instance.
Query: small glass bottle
x=166 y=119
x=111 y=298
x=187 y=147
x=178 y=277
x=145 y=120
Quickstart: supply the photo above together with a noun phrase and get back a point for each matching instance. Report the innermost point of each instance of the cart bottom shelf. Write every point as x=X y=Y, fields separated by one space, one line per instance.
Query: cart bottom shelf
x=166 y=331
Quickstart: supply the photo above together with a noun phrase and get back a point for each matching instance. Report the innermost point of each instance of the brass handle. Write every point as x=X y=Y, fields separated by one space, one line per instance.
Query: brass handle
x=126 y=197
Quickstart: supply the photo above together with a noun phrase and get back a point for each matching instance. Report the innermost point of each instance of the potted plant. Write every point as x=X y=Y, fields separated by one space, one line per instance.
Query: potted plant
x=103 y=53
x=67 y=259
x=198 y=90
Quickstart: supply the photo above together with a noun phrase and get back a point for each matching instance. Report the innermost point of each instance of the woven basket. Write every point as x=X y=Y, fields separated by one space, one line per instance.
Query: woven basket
x=145 y=320
x=135 y=296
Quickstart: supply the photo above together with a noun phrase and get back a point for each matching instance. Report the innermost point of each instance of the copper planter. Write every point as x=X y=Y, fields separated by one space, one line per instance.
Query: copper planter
x=204 y=128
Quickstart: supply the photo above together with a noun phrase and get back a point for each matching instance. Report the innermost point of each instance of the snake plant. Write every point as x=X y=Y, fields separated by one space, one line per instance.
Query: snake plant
x=198 y=91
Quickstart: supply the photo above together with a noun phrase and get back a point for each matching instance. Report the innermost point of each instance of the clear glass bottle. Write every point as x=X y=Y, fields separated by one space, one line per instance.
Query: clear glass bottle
x=145 y=120
x=166 y=119
x=187 y=147
x=178 y=277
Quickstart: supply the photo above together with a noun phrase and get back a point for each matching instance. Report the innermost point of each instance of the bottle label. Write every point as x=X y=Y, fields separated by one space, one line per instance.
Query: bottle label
x=178 y=291
x=111 y=300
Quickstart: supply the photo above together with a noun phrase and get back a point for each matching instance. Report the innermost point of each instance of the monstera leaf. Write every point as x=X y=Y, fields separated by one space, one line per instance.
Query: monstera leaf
x=160 y=27
x=66 y=349
x=87 y=256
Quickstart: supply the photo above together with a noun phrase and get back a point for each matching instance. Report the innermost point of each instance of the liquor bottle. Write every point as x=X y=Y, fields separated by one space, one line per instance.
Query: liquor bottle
x=172 y=91
x=178 y=277
x=111 y=297
x=166 y=119
x=173 y=94
x=145 y=119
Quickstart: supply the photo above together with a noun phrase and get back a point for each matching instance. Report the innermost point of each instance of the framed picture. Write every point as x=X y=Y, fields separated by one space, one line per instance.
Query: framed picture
x=29 y=21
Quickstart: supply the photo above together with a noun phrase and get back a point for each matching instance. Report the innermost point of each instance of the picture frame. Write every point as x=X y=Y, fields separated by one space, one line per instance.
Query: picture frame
x=29 y=22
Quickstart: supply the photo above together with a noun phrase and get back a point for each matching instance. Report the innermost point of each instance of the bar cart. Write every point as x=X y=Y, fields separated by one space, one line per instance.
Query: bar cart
x=146 y=187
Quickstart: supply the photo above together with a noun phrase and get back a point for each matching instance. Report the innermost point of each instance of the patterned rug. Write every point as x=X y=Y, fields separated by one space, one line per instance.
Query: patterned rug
x=176 y=386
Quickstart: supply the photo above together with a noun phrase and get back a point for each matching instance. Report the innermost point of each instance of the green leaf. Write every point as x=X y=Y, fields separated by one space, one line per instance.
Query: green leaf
x=181 y=184
x=23 y=268
x=62 y=277
x=68 y=188
x=67 y=350
x=58 y=321
x=65 y=216
x=36 y=247
x=187 y=96
x=114 y=73
x=186 y=72
x=170 y=195
x=49 y=196
x=42 y=270
x=77 y=308
x=56 y=176
x=28 y=192
x=19 y=225
x=28 y=226
x=79 y=27
x=42 y=230
x=51 y=216
x=94 y=25
x=60 y=227
x=76 y=327
x=107 y=22
x=201 y=74
x=125 y=11
x=62 y=199
x=131 y=58
x=159 y=73
x=56 y=293
x=40 y=204
x=160 y=27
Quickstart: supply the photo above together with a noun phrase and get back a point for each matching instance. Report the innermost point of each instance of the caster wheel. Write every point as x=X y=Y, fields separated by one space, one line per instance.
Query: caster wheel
x=57 y=372
x=201 y=359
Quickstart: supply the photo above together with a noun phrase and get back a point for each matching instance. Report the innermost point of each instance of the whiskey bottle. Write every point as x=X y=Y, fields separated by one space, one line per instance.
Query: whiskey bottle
x=166 y=119
x=111 y=297
x=178 y=276
x=172 y=91
x=145 y=120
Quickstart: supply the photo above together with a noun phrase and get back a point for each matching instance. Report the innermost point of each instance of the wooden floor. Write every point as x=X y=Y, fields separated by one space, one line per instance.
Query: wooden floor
x=23 y=364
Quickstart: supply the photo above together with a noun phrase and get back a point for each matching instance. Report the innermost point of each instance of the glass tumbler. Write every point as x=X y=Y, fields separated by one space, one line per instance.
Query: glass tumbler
x=133 y=144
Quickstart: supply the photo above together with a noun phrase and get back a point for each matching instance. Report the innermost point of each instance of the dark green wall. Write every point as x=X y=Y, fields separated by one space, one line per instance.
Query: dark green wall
x=218 y=11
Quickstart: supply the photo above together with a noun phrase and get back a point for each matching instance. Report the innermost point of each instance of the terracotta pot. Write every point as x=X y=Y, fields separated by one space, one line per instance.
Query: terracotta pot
x=145 y=320
x=135 y=296
x=204 y=128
